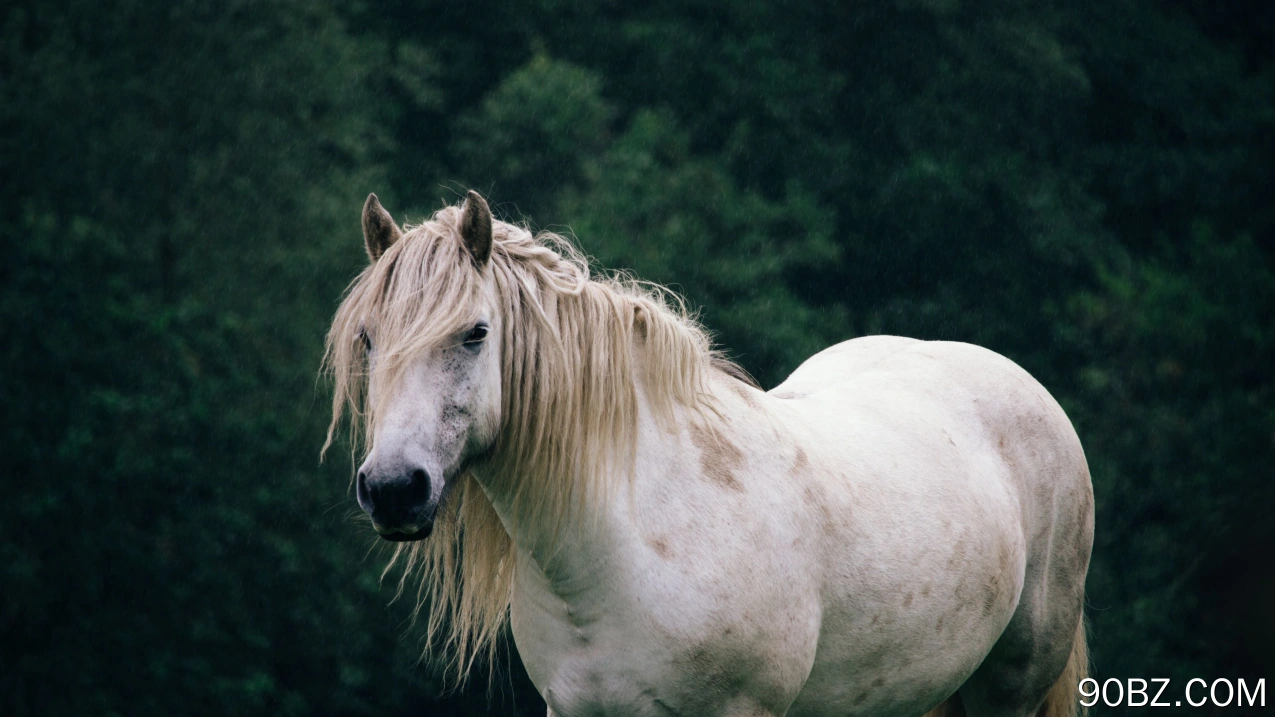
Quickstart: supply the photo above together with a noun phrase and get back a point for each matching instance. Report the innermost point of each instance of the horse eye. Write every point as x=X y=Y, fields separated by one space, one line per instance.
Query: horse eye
x=475 y=336
x=367 y=342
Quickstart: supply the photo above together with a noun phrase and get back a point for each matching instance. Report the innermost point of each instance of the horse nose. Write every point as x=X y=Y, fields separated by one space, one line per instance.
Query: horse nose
x=396 y=499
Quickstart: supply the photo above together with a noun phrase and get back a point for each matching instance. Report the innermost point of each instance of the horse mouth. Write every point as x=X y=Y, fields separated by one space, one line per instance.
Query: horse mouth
x=404 y=535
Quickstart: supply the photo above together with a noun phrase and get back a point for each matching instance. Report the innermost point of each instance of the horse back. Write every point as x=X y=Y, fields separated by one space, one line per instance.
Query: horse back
x=930 y=391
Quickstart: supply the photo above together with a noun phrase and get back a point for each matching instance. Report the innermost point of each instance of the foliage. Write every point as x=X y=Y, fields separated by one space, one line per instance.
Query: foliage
x=1083 y=186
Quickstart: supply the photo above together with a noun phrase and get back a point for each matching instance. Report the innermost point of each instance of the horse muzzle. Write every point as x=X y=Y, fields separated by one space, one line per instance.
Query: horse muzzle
x=399 y=499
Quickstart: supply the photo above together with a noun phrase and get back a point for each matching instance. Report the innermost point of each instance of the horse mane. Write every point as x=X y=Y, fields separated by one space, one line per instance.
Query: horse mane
x=571 y=379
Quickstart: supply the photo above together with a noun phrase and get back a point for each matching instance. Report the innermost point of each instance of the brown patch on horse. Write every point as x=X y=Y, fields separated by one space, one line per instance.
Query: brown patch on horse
x=958 y=553
x=800 y=462
x=1000 y=582
x=993 y=592
x=815 y=498
x=661 y=548
x=719 y=458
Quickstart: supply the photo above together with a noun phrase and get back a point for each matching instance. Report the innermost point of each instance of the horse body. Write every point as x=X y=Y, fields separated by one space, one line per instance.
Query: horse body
x=898 y=522
x=854 y=542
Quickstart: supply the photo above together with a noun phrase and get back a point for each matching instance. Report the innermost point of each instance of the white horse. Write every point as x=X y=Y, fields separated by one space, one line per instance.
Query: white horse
x=899 y=524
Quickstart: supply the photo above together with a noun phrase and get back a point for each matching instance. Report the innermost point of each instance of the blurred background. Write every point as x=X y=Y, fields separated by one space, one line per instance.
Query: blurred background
x=1082 y=185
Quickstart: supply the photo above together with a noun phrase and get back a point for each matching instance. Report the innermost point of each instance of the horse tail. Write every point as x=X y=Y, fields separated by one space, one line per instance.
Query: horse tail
x=1063 y=698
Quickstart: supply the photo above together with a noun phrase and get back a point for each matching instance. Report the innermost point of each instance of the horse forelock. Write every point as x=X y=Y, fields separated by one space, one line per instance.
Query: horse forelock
x=570 y=393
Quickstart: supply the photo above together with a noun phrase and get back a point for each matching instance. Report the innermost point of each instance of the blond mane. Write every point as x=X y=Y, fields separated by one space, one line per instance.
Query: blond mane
x=576 y=351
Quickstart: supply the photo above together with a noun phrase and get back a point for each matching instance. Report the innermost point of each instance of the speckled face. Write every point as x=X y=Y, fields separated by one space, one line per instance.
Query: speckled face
x=442 y=414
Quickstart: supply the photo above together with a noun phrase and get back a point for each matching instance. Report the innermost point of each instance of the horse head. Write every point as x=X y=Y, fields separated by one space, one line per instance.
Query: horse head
x=433 y=375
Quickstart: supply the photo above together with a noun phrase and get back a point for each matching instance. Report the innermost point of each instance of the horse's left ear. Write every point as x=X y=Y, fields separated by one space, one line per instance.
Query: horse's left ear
x=475 y=228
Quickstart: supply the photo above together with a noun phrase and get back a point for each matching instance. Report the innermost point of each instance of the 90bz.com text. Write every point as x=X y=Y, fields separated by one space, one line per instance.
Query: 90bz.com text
x=1156 y=692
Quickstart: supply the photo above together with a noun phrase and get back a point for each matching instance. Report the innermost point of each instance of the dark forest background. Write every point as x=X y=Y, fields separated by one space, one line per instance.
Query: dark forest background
x=1083 y=185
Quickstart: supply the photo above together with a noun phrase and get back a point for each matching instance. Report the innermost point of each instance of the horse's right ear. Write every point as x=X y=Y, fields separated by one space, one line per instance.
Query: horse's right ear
x=379 y=230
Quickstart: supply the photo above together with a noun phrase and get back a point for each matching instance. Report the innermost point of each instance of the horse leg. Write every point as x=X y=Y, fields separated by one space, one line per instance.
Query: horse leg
x=1036 y=666
x=1022 y=679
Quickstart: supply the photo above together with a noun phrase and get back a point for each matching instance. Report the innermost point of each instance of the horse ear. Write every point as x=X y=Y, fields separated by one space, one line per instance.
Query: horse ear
x=475 y=228
x=379 y=229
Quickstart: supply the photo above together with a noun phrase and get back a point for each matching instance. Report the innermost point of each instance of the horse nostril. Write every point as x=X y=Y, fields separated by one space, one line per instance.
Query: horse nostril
x=362 y=493
x=418 y=489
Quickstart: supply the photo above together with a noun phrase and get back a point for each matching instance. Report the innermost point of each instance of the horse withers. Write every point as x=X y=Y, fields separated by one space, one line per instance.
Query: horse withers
x=900 y=526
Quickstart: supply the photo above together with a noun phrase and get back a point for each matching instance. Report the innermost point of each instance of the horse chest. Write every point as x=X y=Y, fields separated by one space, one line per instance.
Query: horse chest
x=650 y=653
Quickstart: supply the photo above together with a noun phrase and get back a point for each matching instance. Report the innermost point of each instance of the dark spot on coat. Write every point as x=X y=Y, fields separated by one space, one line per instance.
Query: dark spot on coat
x=811 y=494
x=800 y=462
x=989 y=602
x=719 y=458
x=863 y=696
x=1000 y=581
x=661 y=548
x=958 y=552
x=907 y=600
x=939 y=627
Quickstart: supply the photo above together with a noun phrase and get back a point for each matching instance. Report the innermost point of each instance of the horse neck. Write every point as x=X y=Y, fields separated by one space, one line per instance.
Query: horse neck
x=587 y=547
x=587 y=541
x=579 y=544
